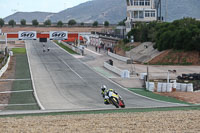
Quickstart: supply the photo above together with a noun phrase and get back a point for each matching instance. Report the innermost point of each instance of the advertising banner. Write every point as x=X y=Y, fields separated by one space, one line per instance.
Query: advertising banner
x=58 y=35
x=27 y=35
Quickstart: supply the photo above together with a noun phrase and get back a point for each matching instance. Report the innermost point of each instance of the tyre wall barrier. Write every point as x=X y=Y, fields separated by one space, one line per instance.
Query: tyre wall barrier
x=168 y=87
x=118 y=57
x=5 y=67
x=122 y=73
x=150 y=86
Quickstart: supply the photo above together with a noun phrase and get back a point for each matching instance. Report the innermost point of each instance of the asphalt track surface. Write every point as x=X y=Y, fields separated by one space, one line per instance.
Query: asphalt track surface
x=63 y=82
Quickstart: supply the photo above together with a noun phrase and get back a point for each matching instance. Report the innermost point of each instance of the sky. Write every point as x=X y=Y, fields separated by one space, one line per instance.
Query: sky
x=8 y=7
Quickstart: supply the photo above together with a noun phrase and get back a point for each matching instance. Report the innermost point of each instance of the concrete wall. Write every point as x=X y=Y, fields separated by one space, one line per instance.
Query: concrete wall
x=121 y=58
x=121 y=73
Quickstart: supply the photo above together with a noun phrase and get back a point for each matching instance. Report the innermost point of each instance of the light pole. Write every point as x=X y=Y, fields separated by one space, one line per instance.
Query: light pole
x=147 y=70
x=6 y=39
x=169 y=71
x=132 y=41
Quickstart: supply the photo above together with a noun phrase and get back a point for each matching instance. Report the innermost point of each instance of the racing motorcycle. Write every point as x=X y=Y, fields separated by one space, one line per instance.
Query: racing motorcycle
x=115 y=100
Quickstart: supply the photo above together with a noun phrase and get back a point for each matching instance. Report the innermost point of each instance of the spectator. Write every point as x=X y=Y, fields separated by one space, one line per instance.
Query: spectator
x=96 y=48
x=99 y=48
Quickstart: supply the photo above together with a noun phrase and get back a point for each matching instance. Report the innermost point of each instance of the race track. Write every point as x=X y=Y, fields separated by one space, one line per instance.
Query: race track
x=63 y=82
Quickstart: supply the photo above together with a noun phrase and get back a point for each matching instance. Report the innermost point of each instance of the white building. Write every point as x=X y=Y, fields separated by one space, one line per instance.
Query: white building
x=140 y=11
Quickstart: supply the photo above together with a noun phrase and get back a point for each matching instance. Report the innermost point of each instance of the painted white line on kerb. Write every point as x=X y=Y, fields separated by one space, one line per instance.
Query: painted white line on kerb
x=92 y=51
x=6 y=92
x=33 y=83
x=1 y=80
x=29 y=104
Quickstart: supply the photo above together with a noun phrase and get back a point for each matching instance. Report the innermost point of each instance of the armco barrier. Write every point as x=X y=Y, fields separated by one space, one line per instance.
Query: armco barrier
x=121 y=58
x=122 y=73
x=5 y=67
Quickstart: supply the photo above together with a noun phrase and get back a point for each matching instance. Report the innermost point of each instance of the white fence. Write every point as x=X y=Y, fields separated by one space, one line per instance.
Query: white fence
x=5 y=67
x=122 y=73
x=121 y=58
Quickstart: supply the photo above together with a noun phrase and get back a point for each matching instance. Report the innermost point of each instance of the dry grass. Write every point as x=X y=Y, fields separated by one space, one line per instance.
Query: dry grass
x=175 y=121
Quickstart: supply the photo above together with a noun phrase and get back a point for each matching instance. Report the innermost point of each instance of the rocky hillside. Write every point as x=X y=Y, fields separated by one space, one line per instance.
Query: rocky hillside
x=96 y=10
x=88 y=12
x=177 y=9
x=29 y=16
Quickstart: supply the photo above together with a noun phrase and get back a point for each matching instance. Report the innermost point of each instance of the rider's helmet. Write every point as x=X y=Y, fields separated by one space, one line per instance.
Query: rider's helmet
x=103 y=88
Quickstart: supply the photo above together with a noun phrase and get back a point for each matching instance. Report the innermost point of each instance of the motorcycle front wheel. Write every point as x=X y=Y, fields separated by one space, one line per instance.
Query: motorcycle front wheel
x=114 y=102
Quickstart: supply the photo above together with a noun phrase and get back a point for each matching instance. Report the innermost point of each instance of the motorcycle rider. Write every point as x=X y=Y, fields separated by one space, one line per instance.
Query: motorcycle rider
x=105 y=93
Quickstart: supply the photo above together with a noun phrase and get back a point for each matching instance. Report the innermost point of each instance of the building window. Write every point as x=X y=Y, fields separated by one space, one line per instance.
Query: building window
x=150 y=14
x=153 y=14
x=141 y=14
x=141 y=2
x=136 y=2
x=147 y=13
x=135 y=14
x=147 y=3
x=131 y=2
x=128 y=3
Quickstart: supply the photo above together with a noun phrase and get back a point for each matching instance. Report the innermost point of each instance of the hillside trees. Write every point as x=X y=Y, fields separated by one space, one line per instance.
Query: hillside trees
x=60 y=24
x=181 y=34
x=35 y=22
x=106 y=23
x=12 y=23
x=47 y=22
x=1 y=22
x=23 y=22
x=71 y=22
x=95 y=24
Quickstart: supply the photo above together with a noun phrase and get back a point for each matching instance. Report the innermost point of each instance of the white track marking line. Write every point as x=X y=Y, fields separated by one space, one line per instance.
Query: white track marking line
x=6 y=92
x=36 y=96
x=65 y=62
x=71 y=69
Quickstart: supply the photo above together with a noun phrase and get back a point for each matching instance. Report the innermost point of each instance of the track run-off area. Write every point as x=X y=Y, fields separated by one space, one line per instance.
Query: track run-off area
x=62 y=82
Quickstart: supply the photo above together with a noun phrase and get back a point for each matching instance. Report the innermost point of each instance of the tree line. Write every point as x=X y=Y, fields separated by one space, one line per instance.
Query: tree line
x=35 y=22
x=181 y=34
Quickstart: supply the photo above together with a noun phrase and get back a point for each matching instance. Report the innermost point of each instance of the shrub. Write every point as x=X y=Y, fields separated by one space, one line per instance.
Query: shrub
x=47 y=22
x=106 y=23
x=23 y=22
x=1 y=22
x=60 y=23
x=12 y=23
x=95 y=24
x=71 y=22
x=35 y=22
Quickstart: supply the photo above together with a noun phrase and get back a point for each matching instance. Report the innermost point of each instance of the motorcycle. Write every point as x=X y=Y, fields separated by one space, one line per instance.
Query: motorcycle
x=115 y=100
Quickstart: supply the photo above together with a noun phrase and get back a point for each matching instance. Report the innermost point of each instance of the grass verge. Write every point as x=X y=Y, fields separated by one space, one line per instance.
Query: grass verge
x=19 y=50
x=66 y=48
x=22 y=72
x=152 y=95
